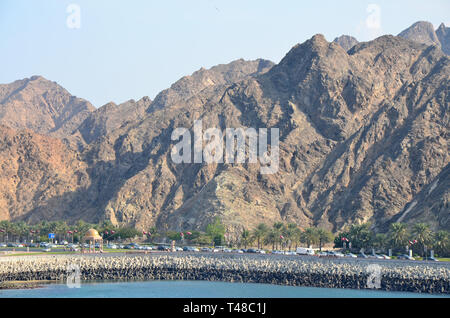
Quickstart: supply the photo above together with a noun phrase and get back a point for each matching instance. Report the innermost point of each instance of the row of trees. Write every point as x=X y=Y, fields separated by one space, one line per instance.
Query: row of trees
x=420 y=238
x=285 y=236
x=23 y=232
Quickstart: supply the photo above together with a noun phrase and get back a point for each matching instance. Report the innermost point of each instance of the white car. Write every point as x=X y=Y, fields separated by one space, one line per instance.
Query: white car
x=375 y=256
x=351 y=255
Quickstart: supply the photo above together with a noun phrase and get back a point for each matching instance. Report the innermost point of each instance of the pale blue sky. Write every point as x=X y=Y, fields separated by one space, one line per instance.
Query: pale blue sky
x=130 y=49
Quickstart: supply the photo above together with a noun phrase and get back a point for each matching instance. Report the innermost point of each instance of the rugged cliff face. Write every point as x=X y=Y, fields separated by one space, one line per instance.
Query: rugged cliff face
x=38 y=176
x=363 y=137
x=43 y=107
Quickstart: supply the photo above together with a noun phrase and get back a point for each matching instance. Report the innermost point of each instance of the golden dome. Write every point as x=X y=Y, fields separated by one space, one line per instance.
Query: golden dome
x=93 y=235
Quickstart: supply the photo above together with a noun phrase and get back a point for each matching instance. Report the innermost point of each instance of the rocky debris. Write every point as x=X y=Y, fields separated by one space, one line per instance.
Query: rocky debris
x=346 y=41
x=301 y=271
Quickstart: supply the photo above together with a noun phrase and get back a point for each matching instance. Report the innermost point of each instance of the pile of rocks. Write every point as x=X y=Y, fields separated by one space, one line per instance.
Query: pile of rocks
x=297 y=271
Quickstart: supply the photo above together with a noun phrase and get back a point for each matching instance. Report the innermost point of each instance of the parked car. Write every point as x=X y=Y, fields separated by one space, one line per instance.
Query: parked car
x=252 y=250
x=112 y=246
x=375 y=256
x=190 y=249
x=2 y=244
x=431 y=259
x=351 y=255
x=385 y=256
x=47 y=249
x=305 y=251
x=164 y=248
x=362 y=255
x=131 y=246
x=406 y=257
x=335 y=254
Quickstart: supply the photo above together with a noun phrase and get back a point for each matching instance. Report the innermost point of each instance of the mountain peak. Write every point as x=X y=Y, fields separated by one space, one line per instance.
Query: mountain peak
x=422 y=32
x=346 y=41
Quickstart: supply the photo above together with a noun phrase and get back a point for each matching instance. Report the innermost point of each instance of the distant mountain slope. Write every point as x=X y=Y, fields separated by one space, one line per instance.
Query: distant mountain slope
x=363 y=135
x=111 y=116
x=38 y=176
x=443 y=34
x=224 y=74
x=42 y=106
x=422 y=32
x=346 y=41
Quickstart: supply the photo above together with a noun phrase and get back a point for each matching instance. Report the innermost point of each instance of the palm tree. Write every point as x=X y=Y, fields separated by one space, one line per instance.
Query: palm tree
x=293 y=234
x=398 y=235
x=323 y=237
x=380 y=241
x=278 y=230
x=442 y=243
x=424 y=236
x=260 y=233
x=271 y=238
x=246 y=238
x=310 y=237
x=360 y=235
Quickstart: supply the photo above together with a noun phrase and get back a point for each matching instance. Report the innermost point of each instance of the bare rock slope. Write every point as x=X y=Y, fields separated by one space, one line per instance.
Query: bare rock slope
x=363 y=138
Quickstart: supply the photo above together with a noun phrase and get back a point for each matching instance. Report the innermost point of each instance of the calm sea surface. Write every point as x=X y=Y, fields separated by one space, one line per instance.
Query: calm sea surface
x=196 y=289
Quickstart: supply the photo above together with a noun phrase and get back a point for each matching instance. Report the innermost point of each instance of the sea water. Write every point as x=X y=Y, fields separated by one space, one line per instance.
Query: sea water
x=197 y=289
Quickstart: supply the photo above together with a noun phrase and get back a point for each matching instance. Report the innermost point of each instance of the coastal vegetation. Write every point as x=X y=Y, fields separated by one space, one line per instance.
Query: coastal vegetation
x=419 y=237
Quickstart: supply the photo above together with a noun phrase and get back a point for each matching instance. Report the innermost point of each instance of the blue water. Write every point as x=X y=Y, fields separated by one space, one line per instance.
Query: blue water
x=196 y=289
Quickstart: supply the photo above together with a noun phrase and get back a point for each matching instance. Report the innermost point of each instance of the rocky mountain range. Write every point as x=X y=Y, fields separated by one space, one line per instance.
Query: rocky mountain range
x=364 y=133
x=422 y=32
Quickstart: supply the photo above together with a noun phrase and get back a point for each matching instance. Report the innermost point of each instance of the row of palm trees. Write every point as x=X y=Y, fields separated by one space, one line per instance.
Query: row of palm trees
x=23 y=232
x=400 y=237
x=419 y=237
x=283 y=236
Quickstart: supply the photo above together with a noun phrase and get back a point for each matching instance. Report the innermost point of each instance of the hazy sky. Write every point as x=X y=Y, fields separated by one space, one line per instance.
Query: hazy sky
x=117 y=50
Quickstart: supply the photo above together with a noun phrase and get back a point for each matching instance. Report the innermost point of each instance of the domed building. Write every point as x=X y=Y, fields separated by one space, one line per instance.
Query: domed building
x=92 y=237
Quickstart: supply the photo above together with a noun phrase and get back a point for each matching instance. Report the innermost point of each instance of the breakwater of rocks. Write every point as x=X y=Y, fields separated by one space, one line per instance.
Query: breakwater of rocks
x=292 y=271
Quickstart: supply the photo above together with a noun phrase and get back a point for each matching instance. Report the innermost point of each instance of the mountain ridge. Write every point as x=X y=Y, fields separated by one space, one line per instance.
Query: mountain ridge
x=363 y=135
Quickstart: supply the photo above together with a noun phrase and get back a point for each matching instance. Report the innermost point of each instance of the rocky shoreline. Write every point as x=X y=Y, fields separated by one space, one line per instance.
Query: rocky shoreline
x=291 y=271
